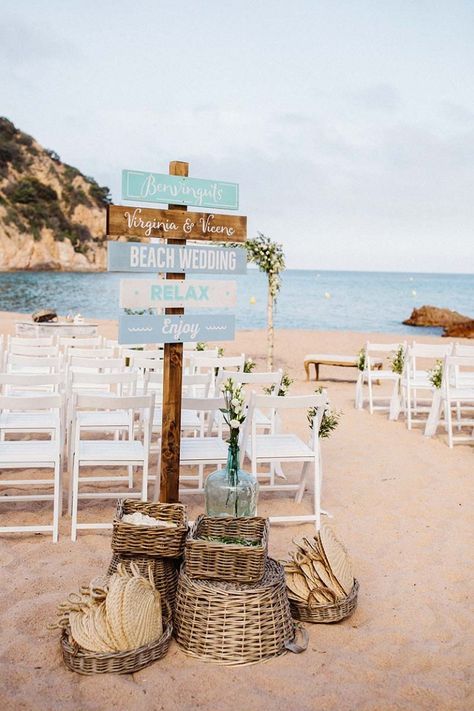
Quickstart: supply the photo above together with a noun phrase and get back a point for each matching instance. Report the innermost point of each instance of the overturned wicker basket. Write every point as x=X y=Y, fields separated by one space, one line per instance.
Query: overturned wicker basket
x=149 y=540
x=165 y=572
x=86 y=662
x=326 y=613
x=226 y=561
x=234 y=623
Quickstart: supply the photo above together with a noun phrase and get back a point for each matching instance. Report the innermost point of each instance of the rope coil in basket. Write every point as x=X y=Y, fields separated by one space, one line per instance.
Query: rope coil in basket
x=235 y=623
x=128 y=538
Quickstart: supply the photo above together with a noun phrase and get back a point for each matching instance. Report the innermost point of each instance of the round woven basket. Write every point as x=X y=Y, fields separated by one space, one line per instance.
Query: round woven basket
x=150 y=540
x=85 y=662
x=164 y=570
x=235 y=623
x=326 y=613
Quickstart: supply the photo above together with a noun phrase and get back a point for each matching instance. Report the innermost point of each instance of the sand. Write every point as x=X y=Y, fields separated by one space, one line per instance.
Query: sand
x=400 y=502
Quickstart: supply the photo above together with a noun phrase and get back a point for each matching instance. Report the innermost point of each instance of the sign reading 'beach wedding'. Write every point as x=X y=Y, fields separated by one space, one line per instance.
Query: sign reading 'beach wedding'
x=175 y=224
x=159 y=293
x=190 y=259
x=152 y=328
x=141 y=186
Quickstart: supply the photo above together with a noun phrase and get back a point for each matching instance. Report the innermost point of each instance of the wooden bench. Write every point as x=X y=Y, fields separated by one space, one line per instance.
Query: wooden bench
x=342 y=361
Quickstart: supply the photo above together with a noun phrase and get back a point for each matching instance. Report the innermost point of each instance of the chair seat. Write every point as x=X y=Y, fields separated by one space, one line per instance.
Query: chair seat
x=35 y=452
x=98 y=450
x=261 y=420
x=101 y=418
x=282 y=447
x=203 y=449
x=28 y=421
x=383 y=375
x=460 y=394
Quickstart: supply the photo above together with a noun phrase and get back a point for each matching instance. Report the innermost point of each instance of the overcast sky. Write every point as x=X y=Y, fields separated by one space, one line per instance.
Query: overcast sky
x=349 y=125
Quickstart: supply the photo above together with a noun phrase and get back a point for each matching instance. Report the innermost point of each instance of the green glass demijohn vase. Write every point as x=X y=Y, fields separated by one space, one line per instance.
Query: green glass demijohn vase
x=231 y=491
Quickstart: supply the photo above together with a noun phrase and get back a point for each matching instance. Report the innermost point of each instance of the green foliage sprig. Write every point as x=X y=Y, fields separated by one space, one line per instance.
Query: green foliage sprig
x=435 y=375
x=398 y=360
x=249 y=365
x=329 y=421
x=286 y=381
x=269 y=258
x=361 y=359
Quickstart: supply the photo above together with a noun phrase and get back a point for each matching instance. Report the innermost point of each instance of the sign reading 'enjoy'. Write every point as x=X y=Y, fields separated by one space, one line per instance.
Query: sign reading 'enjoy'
x=152 y=328
x=141 y=186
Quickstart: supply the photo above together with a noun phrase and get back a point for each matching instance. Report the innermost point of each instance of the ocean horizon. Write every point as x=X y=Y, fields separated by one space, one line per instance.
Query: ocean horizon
x=309 y=299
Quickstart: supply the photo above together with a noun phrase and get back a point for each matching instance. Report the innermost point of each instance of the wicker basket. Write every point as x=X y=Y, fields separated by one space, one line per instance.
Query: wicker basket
x=223 y=561
x=85 y=662
x=149 y=540
x=326 y=613
x=234 y=623
x=165 y=572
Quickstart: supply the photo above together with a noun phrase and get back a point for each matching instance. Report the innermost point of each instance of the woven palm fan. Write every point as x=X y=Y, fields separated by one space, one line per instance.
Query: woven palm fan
x=338 y=558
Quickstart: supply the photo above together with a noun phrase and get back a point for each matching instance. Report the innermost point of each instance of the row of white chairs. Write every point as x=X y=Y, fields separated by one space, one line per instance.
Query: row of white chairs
x=413 y=393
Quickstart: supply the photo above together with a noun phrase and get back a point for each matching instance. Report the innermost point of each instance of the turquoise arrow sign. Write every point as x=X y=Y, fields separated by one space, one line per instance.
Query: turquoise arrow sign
x=141 y=186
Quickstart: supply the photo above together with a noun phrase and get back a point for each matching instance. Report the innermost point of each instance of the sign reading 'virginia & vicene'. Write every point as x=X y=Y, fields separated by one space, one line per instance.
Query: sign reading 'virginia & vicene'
x=175 y=224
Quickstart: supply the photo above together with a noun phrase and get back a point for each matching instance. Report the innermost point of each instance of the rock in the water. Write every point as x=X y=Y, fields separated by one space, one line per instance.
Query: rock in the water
x=460 y=330
x=434 y=316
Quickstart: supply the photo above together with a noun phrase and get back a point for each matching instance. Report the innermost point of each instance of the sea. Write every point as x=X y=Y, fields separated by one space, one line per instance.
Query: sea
x=314 y=300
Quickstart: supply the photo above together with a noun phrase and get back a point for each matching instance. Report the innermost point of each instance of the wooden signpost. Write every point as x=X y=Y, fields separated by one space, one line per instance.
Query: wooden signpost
x=176 y=259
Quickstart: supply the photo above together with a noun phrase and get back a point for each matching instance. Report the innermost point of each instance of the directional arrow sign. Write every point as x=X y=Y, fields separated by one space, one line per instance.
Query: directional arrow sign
x=175 y=224
x=152 y=293
x=151 y=328
x=141 y=186
x=159 y=257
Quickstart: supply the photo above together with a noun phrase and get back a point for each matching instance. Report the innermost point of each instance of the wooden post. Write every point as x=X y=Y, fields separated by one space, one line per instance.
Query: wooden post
x=172 y=388
x=270 y=331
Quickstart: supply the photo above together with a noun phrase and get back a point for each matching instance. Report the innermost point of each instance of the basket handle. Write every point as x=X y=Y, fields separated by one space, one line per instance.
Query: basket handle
x=293 y=646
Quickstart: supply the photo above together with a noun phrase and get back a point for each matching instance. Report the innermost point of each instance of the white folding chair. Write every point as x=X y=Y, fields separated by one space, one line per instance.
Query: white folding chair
x=37 y=341
x=32 y=454
x=456 y=392
x=371 y=376
x=33 y=351
x=289 y=448
x=107 y=453
x=90 y=353
x=416 y=379
x=201 y=450
x=77 y=364
x=30 y=384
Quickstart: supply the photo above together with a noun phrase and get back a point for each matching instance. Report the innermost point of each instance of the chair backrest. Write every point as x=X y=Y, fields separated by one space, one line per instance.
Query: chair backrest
x=16 y=383
x=38 y=351
x=53 y=403
x=458 y=372
x=463 y=349
x=33 y=364
x=142 y=404
x=117 y=383
x=67 y=342
x=40 y=341
x=94 y=353
x=206 y=407
x=196 y=385
x=271 y=379
x=98 y=365
x=426 y=351
x=374 y=351
x=203 y=364
x=318 y=401
x=142 y=362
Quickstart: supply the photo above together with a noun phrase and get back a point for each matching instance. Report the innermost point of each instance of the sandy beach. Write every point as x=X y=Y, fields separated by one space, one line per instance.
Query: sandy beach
x=399 y=501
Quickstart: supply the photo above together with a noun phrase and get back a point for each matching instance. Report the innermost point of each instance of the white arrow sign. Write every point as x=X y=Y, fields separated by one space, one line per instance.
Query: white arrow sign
x=159 y=293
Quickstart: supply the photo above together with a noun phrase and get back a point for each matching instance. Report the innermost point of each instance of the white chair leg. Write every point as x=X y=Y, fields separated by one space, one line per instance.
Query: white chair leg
x=371 y=402
x=75 y=497
x=449 y=422
x=302 y=486
x=317 y=492
x=145 y=480
x=56 y=500
x=156 y=488
x=408 y=396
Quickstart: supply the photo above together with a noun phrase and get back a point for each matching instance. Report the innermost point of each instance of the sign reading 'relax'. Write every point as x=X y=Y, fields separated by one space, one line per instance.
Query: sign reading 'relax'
x=152 y=328
x=150 y=293
x=175 y=224
x=178 y=190
x=158 y=257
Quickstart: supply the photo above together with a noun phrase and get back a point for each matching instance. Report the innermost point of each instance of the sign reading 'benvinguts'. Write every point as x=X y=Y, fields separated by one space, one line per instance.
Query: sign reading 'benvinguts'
x=141 y=186
x=175 y=224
